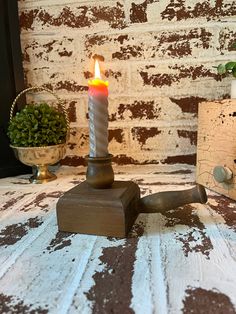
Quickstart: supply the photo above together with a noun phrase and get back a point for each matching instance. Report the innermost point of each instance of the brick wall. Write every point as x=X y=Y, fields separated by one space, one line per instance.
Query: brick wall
x=158 y=57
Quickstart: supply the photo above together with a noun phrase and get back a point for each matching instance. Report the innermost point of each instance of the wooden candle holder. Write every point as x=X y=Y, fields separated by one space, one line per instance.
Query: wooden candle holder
x=108 y=212
x=102 y=207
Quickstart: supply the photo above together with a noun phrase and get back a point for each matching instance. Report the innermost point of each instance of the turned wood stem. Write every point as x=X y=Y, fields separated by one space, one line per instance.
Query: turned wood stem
x=163 y=201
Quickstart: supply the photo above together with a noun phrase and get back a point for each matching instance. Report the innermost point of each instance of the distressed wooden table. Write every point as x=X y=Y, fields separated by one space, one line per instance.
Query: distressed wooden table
x=179 y=262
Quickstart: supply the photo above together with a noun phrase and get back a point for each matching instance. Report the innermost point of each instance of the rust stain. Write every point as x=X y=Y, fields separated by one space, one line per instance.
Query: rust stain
x=117 y=134
x=112 y=292
x=181 y=11
x=194 y=240
x=199 y=300
x=138 y=110
x=191 y=135
x=14 y=233
x=60 y=241
x=13 y=304
x=87 y=16
x=180 y=159
x=188 y=104
x=226 y=208
x=142 y=134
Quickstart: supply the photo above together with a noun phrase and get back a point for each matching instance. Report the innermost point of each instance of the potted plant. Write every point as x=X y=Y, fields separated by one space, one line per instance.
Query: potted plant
x=38 y=135
x=229 y=68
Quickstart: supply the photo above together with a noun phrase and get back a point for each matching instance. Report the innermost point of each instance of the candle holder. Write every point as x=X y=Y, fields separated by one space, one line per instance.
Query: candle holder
x=102 y=206
x=100 y=174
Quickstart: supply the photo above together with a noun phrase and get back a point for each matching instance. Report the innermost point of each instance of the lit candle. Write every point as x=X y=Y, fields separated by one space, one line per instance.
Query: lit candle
x=98 y=115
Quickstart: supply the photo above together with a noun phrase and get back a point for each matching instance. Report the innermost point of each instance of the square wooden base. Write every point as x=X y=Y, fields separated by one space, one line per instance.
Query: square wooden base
x=107 y=212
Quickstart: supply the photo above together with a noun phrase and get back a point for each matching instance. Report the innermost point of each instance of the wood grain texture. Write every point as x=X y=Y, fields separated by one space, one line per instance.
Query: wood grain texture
x=180 y=261
x=106 y=212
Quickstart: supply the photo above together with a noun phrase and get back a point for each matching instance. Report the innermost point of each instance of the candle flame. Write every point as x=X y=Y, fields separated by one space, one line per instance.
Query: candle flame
x=97 y=73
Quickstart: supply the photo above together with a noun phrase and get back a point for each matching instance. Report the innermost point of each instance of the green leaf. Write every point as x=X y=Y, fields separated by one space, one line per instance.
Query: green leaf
x=234 y=71
x=221 y=69
x=230 y=65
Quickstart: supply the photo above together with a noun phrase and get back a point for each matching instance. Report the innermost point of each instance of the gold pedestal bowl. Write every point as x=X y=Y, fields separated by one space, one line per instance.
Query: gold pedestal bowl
x=40 y=158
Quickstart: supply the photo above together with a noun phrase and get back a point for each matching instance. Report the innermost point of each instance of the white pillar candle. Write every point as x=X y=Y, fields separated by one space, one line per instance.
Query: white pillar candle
x=98 y=115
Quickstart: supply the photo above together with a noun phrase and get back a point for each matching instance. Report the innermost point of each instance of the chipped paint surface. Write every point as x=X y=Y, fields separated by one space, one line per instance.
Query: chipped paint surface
x=168 y=264
x=158 y=57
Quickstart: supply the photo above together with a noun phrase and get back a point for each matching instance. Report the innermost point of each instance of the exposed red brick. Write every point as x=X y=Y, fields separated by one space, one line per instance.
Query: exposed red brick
x=191 y=135
x=72 y=111
x=169 y=43
x=180 y=10
x=188 y=104
x=138 y=110
x=142 y=134
x=138 y=12
x=70 y=86
x=123 y=159
x=180 y=159
x=73 y=161
x=111 y=73
x=65 y=53
x=26 y=18
x=191 y=72
x=117 y=134
x=227 y=38
x=87 y=16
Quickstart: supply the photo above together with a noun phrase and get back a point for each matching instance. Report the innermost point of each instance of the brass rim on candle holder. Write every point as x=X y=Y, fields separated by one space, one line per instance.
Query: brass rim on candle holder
x=41 y=157
x=99 y=173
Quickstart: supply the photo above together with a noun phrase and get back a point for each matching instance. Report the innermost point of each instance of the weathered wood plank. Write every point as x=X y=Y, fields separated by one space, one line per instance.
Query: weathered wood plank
x=174 y=262
x=216 y=145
